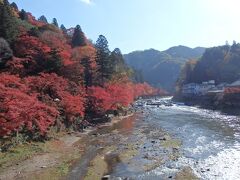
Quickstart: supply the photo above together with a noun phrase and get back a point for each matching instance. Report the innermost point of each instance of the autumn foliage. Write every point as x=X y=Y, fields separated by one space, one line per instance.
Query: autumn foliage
x=21 y=111
x=117 y=95
x=47 y=80
x=232 y=90
x=59 y=93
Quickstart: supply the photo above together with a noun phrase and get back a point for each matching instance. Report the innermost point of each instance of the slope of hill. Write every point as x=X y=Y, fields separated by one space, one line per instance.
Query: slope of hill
x=219 y=63
x=185 y=52
x=162 y=68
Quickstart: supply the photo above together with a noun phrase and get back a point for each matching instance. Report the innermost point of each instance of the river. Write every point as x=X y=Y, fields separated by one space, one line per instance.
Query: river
x=210 y=143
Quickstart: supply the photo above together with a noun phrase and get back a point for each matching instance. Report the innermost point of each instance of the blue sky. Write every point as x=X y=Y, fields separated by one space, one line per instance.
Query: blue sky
x=143 y=24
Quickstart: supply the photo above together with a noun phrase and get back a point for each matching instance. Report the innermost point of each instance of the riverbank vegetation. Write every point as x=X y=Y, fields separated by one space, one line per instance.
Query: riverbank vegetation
x=218 y=64
x=55 y=78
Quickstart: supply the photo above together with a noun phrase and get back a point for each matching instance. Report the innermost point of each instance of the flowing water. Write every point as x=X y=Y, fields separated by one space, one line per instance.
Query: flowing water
x=210 y=141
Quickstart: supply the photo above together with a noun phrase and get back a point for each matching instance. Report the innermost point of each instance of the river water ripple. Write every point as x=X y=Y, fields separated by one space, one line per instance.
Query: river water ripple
x=210 y=141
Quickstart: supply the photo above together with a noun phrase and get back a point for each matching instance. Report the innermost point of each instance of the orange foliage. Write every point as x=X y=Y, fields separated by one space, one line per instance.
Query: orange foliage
x=20 y=110
x=30 y=47
x=80 y=53
x=58 y=92
x=33 y=21
x=116 y=95
x=232 y=90
x=58 y=41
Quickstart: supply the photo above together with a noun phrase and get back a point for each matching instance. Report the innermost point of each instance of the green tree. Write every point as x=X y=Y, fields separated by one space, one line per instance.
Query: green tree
x=185 y=76
x=63 y=28
x=14 y=5
x=43 y=19
x=5 y=52
x=87 y=74
x=54 y=62
x=54 y=22
x=34 y=32
x=8 y=23
x=117 y=61
x=51 y=62
x=78 y=38
x=103 y=60
x=23 y=15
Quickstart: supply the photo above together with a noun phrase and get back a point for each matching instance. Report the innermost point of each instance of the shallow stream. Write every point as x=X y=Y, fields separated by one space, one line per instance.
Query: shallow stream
x=210 y=143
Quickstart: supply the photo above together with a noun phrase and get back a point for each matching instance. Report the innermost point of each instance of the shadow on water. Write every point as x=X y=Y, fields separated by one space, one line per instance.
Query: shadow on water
x=95 y=144
x=125 y=125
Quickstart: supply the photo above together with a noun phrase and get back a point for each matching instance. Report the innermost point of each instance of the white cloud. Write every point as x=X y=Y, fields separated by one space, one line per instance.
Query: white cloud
x=89 y=2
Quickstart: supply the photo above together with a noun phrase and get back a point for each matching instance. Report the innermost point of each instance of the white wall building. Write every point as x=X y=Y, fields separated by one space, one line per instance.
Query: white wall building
x=194 y=89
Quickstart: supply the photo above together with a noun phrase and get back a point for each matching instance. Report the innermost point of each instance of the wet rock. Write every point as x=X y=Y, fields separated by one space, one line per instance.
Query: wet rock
x=170 y=166
x=117 y=178
x=107 y=177
x=100 y=147
x=95 y=134
x=162 y=139
x=146 y=156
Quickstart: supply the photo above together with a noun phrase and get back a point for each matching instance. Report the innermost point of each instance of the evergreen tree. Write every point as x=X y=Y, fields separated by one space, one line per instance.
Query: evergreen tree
x=23 y=15
x=117 y=61
x=103 y=59
x=54 y=62
x=87 y=76
x=54 y=22
x=5 y=52
x=34 y=32
x=43 y=19
x=63 y=28
x=235 y=46
x=8 y=25
x=78 y=38
x=51 y=62
x=14 y=5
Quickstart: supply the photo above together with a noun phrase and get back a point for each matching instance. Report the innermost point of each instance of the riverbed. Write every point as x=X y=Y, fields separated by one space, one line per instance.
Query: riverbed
x=169 y=141
x=210 y=141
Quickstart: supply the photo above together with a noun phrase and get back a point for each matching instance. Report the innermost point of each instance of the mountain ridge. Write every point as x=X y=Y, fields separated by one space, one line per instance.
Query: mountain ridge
x=162 y=68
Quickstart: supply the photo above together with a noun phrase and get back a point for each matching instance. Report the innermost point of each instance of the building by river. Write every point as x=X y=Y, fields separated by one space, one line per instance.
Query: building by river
x=195 y=89
x=209 y=87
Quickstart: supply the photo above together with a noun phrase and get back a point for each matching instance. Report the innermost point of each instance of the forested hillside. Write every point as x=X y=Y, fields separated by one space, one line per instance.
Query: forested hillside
x=218 y=63
x=161 y=69
x=54 y=76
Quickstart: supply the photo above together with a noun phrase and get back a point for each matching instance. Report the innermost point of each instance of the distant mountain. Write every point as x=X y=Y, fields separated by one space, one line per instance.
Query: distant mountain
x=185 y=52
x=162 y=68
